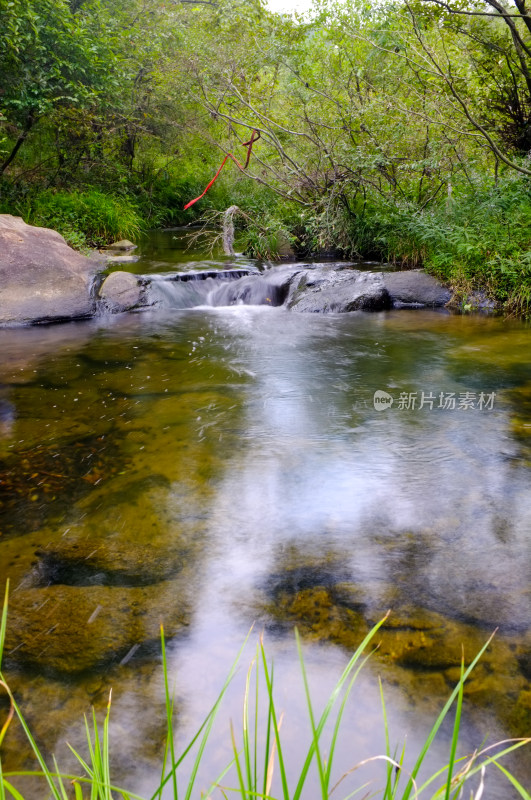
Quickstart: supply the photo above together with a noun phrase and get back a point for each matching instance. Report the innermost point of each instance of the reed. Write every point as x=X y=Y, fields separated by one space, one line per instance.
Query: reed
x=259 y=764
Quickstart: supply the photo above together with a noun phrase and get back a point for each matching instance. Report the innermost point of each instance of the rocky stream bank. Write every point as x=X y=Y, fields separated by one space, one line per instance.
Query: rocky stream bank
x=43 y=280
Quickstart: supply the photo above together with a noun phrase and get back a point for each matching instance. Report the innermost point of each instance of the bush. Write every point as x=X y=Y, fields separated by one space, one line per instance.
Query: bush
x=89 y=218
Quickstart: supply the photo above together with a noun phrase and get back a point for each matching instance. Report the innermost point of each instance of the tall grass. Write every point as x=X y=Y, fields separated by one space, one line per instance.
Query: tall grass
x=260 y=758
x=85 y=219
x=481 y=239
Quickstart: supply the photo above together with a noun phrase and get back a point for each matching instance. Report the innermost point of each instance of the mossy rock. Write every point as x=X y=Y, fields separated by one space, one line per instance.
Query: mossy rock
x=62 y=629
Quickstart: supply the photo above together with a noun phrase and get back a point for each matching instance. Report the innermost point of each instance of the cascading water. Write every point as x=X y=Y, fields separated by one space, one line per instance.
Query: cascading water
x=219 y=288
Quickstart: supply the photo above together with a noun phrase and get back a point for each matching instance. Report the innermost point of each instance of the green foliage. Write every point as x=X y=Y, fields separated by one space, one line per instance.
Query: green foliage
x=50 y=57
x=258 y=747
x=84 y=218
x=368 y=114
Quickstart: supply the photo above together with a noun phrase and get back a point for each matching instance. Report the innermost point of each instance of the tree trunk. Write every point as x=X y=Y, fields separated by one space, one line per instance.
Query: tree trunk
x=30 y=121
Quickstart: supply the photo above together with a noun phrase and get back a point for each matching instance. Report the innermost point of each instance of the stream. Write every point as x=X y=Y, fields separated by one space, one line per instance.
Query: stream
x=218 y=466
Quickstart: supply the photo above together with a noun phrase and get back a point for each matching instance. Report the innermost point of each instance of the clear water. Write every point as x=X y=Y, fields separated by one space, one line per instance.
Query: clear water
x=212 y=468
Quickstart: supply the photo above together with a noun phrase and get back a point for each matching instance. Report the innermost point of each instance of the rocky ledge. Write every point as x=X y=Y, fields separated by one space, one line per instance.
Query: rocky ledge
x=42 y=279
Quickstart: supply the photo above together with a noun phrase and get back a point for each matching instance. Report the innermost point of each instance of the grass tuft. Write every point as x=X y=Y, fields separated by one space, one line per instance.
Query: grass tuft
x=259 y=756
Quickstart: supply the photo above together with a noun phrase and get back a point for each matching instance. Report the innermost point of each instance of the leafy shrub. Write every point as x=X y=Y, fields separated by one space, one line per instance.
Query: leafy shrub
x=89 y=218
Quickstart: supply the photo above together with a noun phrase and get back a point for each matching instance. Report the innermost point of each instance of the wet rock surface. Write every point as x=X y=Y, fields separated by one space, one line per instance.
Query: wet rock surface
x=121 y=291
x=415 y=289
x=320 y=289
x=42 y=279
x=328 y=291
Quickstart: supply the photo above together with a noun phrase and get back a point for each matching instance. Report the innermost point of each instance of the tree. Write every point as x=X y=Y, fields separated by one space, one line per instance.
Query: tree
x=496 y=39
x=50 y=57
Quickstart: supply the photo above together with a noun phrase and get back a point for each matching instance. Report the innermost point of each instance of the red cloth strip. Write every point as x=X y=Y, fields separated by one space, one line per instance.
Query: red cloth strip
x=249 y=145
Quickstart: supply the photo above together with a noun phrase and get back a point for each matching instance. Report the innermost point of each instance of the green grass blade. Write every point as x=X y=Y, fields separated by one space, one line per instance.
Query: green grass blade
x=517 y=785
x=455 y=733
x=3 y=623
x=106 y=768
x=339 y=717
x=398 y=771
x=439 y=721
x=471 y=771
x=72 y=778
x=246 y=742
x=275 y=721
x=78 y=791
x=332 y=699
x=5 y=726
x=389 y=782
x=36 y=751
x=11 y=789
x=256 y=708
x=207 y=725
x=60 y=780
x=96 y=760
x=204 y=728
x=358 y=790
x=242 y=792
x=169 y=700
x=86 y=767
x=267 y=747
x=315 y=736
x=2 y=788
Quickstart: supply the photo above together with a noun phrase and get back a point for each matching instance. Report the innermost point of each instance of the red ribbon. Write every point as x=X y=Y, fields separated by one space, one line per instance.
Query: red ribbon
x=249 y=145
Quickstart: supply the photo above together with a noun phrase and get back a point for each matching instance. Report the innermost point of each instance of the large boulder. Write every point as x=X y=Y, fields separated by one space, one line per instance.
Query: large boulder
x=325 y=290
x=415 y=289
x=42 y=279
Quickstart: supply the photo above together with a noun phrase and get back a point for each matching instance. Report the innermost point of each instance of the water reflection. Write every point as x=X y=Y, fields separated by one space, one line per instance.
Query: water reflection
x=240 y=473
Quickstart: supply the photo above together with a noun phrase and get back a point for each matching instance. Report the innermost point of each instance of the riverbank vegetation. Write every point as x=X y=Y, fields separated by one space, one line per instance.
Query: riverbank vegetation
x=399 y=131
x=260 y=765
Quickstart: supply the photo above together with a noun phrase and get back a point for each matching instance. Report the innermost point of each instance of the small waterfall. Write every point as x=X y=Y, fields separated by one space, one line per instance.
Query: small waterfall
x=218 y=288
x=270 y=288
x=189 y=289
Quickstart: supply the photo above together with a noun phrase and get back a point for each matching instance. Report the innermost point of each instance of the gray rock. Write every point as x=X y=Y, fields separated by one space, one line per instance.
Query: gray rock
x=121 y=291
x=117 y=257
x=123 y=244
x=42 y=279
x=478 y=301
x=325 y=290
x=284 y=248
x=414 y=289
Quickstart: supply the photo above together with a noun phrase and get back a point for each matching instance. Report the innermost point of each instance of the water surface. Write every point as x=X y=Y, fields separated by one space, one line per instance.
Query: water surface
x=212 y=468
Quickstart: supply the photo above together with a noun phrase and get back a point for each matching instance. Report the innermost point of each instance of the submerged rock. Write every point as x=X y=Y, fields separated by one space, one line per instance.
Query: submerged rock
x=42 y=279
x=420 y=648
x=107 y=563
x=64 y=630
